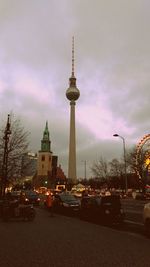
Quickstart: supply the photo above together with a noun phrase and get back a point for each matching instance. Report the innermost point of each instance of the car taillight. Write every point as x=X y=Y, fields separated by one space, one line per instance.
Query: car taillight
x=66 y=204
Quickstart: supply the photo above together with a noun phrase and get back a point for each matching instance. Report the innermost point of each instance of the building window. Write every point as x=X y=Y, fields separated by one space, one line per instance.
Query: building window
x=49 y=158
x=43 y=158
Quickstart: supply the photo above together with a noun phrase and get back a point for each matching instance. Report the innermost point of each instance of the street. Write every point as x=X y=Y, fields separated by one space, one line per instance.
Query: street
x=133 y=210
x=69 y=242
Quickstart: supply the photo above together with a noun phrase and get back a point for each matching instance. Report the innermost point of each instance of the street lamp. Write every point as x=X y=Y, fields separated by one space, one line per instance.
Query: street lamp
x=84 y=168
x=7 y=133
x=125 y=166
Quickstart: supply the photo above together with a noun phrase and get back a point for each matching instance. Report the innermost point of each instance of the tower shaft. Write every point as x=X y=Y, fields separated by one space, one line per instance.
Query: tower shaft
x=72 y=95
x=72 y=145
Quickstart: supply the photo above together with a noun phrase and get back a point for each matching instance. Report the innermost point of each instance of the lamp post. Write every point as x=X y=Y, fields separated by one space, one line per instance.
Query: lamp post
x=7 y=133
x=84 y=168
x=125 y=166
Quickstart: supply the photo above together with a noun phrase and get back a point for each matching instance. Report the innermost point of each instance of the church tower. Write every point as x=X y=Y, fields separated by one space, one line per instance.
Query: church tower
x=44 y=166
x=45 y=142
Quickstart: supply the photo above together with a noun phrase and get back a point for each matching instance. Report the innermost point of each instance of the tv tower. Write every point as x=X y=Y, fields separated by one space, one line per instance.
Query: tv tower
x=72 y=94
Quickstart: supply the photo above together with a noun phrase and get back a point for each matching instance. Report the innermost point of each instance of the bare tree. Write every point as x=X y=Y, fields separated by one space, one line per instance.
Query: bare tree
x=116 y=168
x=100 y=169
x=136 y=164
x=16 y=147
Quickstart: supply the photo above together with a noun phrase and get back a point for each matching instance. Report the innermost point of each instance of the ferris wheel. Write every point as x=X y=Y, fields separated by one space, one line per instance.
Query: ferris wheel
x=143 y=154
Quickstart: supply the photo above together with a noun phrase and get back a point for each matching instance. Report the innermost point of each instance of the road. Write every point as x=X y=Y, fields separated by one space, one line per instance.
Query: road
x=134 y=210
x=69 y=242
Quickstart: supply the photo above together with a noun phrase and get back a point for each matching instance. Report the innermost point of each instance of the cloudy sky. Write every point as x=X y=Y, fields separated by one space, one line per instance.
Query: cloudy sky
x=112 y=65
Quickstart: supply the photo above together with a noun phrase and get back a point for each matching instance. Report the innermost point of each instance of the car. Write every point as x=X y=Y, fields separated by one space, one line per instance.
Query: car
x=1 y=207
x=13 y=198
x=15 y=195
x=33 y=197
x=147 y=193
x=140 y=195
x=146 y=218
x=18 y=196
x=102 y=209
x=66 y=203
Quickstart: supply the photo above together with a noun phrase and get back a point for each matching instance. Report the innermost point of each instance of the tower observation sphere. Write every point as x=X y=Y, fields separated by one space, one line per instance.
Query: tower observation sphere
x=72 y=92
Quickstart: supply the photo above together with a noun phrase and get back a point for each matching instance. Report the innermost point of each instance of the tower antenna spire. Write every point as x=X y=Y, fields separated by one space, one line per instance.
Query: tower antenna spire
x=73 y=56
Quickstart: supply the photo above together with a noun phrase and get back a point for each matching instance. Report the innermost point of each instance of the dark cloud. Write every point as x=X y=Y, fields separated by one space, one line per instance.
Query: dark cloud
x=112 y=62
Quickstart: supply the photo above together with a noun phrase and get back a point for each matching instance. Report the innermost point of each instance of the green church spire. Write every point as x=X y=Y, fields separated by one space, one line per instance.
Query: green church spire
x=45 y=142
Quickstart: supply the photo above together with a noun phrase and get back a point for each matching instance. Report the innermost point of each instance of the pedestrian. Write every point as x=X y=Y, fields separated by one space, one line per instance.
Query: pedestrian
x=49 y=203
x=22 y=198
x=85 y=193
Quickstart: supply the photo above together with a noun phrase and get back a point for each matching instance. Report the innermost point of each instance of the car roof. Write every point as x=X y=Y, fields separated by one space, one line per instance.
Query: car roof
x=16 y=193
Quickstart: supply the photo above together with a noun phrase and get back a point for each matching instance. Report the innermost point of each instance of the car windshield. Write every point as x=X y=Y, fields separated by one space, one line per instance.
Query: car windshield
x=31 y=194
x=67 y=198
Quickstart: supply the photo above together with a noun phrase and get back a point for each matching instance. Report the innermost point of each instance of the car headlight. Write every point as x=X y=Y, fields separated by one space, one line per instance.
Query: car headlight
x=107 y=211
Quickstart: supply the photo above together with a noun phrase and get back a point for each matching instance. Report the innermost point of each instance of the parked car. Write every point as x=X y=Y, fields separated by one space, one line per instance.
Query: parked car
x=15 y=195
x=18 y=196
x=147 y=193
x=66 y=203
x=140 y=195
x=1 y=207
x=33 y=197
x=146 y=218
x=13 y=199
x=102 y=209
